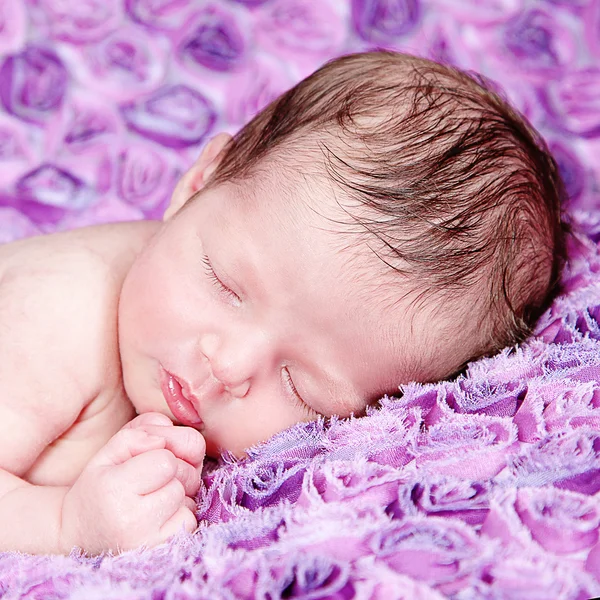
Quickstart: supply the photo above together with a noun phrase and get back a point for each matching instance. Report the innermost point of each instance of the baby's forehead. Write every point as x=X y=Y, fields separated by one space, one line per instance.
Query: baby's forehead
x=342 y=304
x=323 y=220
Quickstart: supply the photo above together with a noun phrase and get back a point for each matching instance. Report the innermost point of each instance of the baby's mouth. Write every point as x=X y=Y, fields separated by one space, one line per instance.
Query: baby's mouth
x=179 y=399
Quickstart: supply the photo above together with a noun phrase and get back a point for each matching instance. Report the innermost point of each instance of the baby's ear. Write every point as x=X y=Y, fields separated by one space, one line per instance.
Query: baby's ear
x=198 y=174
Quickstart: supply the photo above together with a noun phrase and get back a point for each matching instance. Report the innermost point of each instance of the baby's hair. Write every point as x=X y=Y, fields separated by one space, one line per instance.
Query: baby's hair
x=459 y=191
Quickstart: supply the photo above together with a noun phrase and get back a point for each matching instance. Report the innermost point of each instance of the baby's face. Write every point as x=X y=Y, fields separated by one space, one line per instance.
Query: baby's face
x=246 y=315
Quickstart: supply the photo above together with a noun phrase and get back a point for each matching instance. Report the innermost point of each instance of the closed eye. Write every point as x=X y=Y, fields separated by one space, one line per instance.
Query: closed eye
x=298 y=400
x=228 y=293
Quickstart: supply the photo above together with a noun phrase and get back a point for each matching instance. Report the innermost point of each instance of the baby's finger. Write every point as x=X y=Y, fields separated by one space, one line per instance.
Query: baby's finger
x=148 y=472
x=188 y=476
x=166 y=501
x=191 y=504
x=124 y=445
x=184 y=442
x=149 y=418
x=184 y=518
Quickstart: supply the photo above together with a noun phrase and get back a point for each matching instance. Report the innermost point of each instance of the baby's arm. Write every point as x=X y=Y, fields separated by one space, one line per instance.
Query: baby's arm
x=30 y=515
x=137 y=490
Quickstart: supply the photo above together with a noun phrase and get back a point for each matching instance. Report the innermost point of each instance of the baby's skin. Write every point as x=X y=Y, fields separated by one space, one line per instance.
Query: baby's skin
x=226 y=323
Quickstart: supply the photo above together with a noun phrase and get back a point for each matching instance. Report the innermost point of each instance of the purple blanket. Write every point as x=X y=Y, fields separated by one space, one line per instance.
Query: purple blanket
x=484 y=487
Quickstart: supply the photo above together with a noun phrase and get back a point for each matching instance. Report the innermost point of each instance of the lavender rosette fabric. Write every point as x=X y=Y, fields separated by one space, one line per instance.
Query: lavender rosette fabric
x=483 y=487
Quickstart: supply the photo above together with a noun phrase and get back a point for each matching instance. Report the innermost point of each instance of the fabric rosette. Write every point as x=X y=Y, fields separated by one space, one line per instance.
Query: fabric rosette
x=33 y=84
x=232 y=577
x=251 y=3
x=300 y=442
x=362 y=484
x=384 y=438
x=243 y=534
x=571 y=102
x=214 y=39
x=572 y=408
x=413 y=395
x=219 y=499
x=578 y=279
x=543 y=534
x=443 y=554
x=107 y=209
x=535 y=43
x=574 y=5
x=566 y=325
x=559 y=325
x=145 y=179
x=577 y=470
x=80 y=22
x=376 y=581
x=122 y=66
x=17 y=153
x=14 y=225
x=571 y=168
x=592 y=26
x=589 y=320
x=523 y=98
x=305 y=575
x=13 y=26
x=529 y=418
x=446 y=43
x=86 y=122
x=261 y=81
x=257 y=485
x=49 y=191
x=335 y=529
x=385 y=22
x=158 y=14
x=560 y=521
x=472 y=396
x=509 y=365
x=592 y=562
x=304 y=32
x=268 y=483
x=467 y=446
x=528 y=575
x=490 y=12
x=452 y=497
x=559 y=331
x=175 y=116
x=585 y=219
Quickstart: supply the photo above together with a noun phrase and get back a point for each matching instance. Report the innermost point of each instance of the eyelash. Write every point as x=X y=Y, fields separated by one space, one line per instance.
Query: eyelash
x=297 y=397
x=231 y=295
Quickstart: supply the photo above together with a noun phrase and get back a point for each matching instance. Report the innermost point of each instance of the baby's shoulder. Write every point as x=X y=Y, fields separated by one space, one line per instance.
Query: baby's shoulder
x=58 y=320
x=59 y=293
x=110 y=248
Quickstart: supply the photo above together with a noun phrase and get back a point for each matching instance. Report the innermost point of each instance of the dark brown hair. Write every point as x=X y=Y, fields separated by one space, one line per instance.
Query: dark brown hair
x=460 y=192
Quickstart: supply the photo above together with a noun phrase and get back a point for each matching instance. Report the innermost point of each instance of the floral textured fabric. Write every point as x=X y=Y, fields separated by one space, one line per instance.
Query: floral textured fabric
x=484 y=487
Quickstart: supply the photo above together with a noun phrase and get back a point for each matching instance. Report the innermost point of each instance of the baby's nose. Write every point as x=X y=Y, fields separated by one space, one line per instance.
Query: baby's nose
x=236 y=360
x=240 y=390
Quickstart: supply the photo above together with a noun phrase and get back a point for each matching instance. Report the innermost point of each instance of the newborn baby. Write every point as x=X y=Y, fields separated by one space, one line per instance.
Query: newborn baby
x=386 y=220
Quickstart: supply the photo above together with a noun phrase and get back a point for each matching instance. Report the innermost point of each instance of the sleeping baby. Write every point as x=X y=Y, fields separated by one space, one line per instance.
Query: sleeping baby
x=386 y=220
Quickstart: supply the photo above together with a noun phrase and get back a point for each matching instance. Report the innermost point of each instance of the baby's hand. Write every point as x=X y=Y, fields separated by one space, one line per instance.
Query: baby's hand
x=138 y=490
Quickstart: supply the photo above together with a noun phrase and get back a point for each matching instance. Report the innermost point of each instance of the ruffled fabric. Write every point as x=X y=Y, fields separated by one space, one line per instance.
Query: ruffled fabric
x=483 y=487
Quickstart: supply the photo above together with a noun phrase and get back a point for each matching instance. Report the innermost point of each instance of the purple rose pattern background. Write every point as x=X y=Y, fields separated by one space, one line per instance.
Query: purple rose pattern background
x=483 y=487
